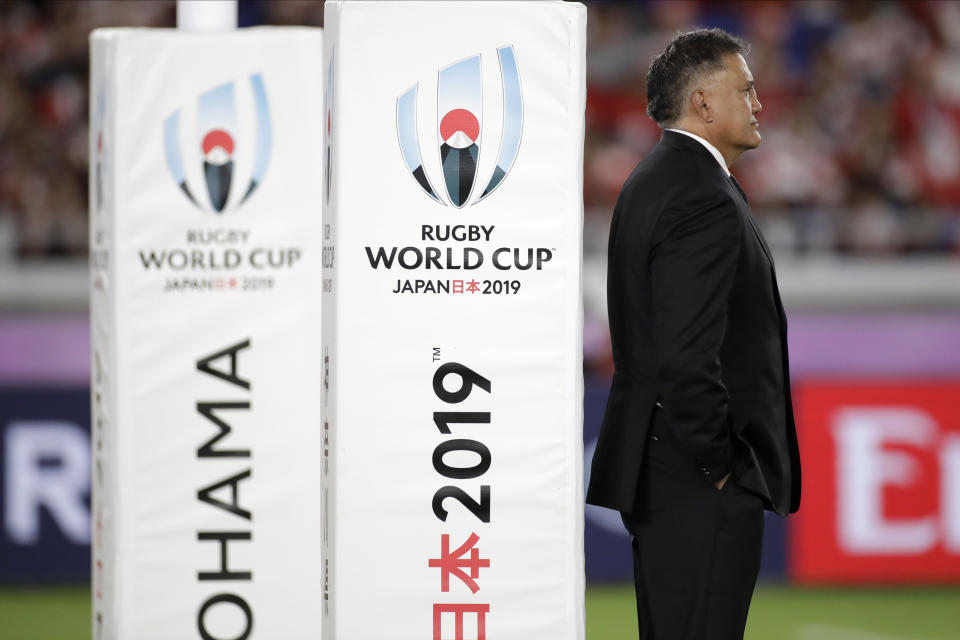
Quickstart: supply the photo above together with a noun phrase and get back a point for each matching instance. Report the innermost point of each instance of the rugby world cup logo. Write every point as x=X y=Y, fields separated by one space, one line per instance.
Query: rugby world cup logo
x=459 y=119
x=98 y=170
x=328 y=131
x=217 y=146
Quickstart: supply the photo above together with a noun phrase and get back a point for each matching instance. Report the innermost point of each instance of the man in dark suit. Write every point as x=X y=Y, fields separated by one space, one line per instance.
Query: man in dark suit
x=698 y=436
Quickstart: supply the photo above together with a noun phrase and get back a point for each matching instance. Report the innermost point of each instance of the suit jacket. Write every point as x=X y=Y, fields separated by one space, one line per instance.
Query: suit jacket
x=698 y=331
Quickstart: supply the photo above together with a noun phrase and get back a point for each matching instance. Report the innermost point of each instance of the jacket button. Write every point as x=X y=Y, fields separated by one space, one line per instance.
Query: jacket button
x=654 y=437
x=704 y=469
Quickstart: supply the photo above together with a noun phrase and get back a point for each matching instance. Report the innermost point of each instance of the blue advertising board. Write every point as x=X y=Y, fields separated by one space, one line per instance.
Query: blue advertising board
x=44 y=484
x=45 y=492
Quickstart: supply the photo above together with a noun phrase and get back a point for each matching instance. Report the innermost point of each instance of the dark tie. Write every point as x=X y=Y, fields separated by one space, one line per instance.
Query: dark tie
x=737 y=185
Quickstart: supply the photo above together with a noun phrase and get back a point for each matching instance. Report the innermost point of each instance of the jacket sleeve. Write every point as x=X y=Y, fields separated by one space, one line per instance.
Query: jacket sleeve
x=693 y=262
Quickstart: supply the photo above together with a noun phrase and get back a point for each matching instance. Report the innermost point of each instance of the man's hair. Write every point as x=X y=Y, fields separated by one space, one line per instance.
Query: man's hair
x=686 y=58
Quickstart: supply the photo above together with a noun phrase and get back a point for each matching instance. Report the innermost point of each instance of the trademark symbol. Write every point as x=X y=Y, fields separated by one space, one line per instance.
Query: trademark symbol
x=436 y=354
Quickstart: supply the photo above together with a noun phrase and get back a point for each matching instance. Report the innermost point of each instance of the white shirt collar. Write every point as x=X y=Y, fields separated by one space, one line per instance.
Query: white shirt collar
x=712 y=149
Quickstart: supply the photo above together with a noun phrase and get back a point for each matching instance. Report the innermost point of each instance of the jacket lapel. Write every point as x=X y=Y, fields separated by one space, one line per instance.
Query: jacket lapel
x=766 y=251
x=753 y=224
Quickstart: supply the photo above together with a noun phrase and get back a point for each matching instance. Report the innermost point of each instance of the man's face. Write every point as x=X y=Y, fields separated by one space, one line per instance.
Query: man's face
x=734 y=106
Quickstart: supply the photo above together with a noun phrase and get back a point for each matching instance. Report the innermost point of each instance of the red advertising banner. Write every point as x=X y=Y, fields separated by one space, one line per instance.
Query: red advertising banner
x=881 y=485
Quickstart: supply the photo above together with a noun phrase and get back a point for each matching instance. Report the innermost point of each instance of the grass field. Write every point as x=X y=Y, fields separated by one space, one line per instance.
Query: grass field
x=784 y=613
x=778 y=613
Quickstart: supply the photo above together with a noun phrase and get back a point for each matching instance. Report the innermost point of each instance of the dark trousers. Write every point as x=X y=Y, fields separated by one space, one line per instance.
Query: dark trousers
x=696 y=550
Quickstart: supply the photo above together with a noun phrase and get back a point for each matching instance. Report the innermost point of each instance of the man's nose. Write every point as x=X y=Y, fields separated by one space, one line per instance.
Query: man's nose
x=757 y=107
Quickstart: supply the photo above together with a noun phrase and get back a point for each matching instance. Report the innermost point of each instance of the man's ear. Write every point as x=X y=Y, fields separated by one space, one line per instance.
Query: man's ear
x=699 y=101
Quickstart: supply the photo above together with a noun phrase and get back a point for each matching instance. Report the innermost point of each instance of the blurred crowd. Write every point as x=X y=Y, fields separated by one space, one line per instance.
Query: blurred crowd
x=860 y=120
